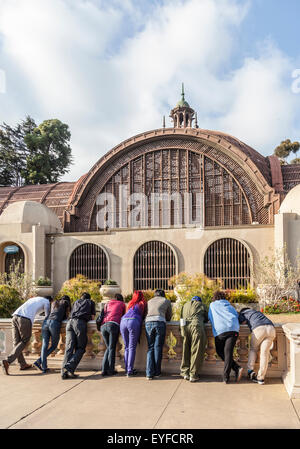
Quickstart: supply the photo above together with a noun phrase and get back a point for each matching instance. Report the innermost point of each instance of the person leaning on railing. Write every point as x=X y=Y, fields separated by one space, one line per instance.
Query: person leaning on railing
x=159 y=311
x=225 y=326
x=22 y=322
x=84 y=310
x=193 y=317
x=60 y=310
x=130 y=328
x=110 y=330
x=262 y=336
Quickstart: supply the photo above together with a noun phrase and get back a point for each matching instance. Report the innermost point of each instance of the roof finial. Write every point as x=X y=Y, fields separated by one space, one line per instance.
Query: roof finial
x=182 y=91
x=164 y=121
x=196 y=120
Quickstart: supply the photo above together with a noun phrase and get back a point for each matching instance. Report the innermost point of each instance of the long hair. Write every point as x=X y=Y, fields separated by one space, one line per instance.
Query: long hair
x=137 y=297
x=57 y=302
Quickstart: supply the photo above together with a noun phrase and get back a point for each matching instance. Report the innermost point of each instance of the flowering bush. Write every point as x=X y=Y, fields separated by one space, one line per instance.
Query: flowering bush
x=75 y=287
x=284 y=305
x=197 y=284
x=241 y=295
x=148 y=294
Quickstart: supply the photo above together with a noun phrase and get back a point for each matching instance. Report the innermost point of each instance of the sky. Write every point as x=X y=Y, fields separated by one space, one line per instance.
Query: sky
x=111 y=70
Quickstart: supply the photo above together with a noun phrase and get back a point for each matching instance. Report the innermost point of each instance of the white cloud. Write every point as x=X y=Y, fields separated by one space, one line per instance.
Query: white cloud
x=112 y=69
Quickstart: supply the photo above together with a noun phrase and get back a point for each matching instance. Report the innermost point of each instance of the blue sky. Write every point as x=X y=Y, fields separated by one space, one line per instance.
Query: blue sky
x=112 y=69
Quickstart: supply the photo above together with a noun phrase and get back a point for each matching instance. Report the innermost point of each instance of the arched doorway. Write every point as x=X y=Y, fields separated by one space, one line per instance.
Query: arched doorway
x=13 y=256
x=228 y=259
x=154 y=263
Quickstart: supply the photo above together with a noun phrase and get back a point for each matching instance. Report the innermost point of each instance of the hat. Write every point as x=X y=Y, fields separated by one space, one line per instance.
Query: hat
x=196 y=298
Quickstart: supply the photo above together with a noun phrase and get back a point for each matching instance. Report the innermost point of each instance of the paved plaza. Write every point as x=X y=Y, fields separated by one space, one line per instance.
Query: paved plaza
x=33 y=401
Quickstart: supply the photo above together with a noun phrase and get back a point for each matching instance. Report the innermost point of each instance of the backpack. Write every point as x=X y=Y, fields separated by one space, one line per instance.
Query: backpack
x=100 y=318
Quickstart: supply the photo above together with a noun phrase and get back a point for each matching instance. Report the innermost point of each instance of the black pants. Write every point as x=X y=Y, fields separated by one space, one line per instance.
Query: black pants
x=110 y=333
x=224 y=347
x=76 y=341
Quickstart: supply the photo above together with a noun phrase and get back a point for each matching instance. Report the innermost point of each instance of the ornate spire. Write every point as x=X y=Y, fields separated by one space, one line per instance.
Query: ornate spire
x=182 y=115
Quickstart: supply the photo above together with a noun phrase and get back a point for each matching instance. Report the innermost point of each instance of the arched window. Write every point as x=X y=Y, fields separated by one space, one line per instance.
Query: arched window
x=13 y=256
x=178 y=187
x=229 y=260
x=89 y=260
x=154 y=264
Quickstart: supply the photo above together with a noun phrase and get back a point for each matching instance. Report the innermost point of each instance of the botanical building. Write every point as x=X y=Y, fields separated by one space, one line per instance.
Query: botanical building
x=164 y=201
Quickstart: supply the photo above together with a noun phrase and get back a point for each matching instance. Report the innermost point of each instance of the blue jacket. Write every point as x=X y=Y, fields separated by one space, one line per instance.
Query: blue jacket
x=223 y=317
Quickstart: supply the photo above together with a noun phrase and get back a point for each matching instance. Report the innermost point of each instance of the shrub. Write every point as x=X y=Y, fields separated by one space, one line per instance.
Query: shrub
x=242 y=296
x=110 y=282
x=75 y=287
x=197 y=284
x=43 y=281
x=10 y=300
x=170 y=295
x=19 y=281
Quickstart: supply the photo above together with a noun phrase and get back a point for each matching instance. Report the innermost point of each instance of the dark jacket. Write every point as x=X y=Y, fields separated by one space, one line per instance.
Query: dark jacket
x=254 y=319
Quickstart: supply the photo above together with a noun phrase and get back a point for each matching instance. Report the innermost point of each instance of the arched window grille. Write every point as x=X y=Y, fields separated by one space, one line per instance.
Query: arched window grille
x=14 y=259
x=154 y=264
x=89 y=260
x=229 y=260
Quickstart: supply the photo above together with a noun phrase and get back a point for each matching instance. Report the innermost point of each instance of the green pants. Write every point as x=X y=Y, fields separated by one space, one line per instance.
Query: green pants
x=194 y=344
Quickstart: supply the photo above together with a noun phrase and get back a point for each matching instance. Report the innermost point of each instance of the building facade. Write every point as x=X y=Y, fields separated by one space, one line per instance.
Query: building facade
x=162 y=202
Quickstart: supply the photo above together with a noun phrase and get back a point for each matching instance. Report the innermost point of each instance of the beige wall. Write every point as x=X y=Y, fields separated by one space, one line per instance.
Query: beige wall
x=189 y=244
x=287 y=233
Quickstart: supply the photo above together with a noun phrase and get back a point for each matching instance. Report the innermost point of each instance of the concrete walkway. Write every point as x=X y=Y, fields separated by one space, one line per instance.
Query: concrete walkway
x=31 y=400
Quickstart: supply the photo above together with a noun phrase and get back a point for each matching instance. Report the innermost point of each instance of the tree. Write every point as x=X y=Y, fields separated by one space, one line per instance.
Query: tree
x=31 y=154
x=286 y=147
x=13 y=151
x=50 y=152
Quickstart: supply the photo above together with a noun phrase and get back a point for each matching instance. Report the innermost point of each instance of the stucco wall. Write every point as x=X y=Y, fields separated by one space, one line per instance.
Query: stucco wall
x=190 y=246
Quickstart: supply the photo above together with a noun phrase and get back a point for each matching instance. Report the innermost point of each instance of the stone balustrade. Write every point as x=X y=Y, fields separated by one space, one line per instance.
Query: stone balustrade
x=172 y=352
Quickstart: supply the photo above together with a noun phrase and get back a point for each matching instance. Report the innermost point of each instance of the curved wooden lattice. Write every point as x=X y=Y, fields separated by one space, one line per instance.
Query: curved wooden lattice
x=154 y=263
x=89 y=260
x=229 y=260
x=180 y=171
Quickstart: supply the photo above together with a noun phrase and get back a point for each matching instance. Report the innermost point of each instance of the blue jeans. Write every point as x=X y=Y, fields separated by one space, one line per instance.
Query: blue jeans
x=110 y=333
x=50 y=329
x=155 y=333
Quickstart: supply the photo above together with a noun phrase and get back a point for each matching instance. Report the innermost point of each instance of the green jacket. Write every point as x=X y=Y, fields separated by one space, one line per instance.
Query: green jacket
x=194 y=312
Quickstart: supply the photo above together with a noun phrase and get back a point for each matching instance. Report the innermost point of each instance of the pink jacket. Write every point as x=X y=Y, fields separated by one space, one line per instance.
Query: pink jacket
x=113 y=311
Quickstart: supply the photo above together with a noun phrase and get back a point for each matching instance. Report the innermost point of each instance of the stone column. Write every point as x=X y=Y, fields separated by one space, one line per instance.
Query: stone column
x=291 y=376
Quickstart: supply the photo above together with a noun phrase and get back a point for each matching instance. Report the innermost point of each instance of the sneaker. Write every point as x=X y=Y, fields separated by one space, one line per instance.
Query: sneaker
x=5 y=366
x=37 y=366
x=226 y=381
x=157 y=375
x=238 y=374
x=186 y=377
x=72 y=375
x=150 y=378
x=45 y=371
x=65 y=375
x=193 y=379
x=251 y=373
x=132 y=373
x=258 y=381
